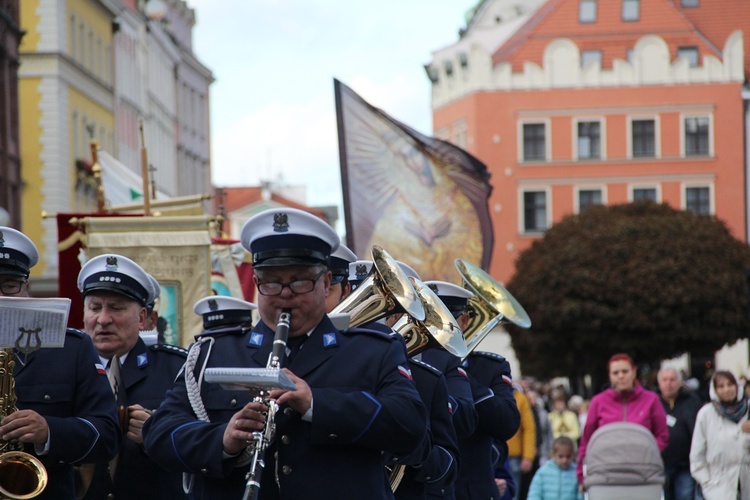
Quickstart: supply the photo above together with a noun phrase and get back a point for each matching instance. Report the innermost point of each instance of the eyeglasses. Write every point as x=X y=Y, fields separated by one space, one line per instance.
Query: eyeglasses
x=297 y=286
x=12 y=287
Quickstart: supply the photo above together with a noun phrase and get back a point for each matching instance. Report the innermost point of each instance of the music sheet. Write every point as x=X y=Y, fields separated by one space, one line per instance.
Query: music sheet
x=31 y=322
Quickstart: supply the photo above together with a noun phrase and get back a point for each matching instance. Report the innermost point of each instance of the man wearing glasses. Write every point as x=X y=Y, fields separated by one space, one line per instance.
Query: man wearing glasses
x=66 y=414
x=354 y=399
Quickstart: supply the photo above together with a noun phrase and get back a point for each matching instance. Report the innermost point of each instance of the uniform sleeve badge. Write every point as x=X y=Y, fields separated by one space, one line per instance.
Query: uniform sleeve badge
x=405 y=372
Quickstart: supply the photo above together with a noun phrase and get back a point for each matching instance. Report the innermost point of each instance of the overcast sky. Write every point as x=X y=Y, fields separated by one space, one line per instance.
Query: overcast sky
x=272 y=106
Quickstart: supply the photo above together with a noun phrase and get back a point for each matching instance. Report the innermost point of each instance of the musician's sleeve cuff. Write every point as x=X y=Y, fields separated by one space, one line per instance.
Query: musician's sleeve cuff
x=41 y=451
x=307 y=417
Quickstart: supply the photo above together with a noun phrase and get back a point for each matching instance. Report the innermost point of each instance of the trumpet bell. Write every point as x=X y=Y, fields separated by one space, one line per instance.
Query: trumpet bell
x=439 y=327
x=385 y=291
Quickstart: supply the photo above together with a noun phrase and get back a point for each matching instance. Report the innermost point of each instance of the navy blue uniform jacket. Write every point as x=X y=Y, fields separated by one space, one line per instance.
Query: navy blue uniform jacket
x=463 y=415
x=363 y=403
x=147 y=374
x=441 y=466
x=499 y=418
x=66 y=388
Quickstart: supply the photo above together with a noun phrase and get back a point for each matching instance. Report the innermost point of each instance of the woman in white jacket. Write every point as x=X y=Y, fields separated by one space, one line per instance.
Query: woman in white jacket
x=720 y=451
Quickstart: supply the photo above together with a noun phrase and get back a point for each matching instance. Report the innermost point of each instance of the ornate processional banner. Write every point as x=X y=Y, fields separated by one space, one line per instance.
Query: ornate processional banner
x=422 y=199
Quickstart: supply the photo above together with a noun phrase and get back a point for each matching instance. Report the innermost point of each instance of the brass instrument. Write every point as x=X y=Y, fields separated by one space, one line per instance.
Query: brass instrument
x=438 y=329
x=385 y=291
x=22 y=475
x=491 y=305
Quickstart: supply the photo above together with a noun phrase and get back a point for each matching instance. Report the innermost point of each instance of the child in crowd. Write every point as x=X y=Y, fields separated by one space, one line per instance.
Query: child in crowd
x=556 y=479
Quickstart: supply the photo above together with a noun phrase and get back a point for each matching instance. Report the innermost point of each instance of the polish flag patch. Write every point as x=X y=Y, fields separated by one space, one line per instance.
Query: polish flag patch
x=507 y=380
x=405 y=372
x=100 y=369
x=462 y=372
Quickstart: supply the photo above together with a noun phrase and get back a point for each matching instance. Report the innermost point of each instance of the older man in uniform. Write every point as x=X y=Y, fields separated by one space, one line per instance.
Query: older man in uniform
x=66 y=414
x=490 y=379
x=116 y=294
x=354 y=397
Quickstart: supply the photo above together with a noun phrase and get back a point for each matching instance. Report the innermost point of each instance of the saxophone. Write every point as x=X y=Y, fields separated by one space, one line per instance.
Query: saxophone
x=22 y=475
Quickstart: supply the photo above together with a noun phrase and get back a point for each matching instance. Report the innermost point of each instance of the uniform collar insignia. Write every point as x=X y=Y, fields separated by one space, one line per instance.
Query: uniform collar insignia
x=280 y=223
x=256 y=339
x=142 y=359
x=329 y=340
x=111 y=264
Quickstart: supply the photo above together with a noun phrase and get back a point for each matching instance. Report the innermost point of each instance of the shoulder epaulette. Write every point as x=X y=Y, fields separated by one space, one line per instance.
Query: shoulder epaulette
x=490 y=355
x=222 y=331
x=75 y=331
x=170 y=348
x=367 y=331
x=425 y=366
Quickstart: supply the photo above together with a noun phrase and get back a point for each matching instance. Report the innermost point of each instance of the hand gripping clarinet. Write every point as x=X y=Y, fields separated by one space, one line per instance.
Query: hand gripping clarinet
x=262 y=439
x=260 y=382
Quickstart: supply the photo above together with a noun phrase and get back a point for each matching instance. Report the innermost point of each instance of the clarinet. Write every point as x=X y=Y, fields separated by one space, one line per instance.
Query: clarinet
x=262 y=439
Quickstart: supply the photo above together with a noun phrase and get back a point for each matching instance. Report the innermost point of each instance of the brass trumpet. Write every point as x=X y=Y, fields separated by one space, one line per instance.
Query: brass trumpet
x=491 y=305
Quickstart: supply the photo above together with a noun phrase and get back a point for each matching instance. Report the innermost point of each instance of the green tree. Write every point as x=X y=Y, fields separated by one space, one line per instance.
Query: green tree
x=639 y=278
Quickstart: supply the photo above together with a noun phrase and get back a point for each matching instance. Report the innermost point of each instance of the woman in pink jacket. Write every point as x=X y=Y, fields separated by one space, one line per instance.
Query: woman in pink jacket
x=625 y=401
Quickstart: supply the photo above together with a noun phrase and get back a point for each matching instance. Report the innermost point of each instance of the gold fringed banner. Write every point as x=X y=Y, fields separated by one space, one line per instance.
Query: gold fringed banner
x=175 y=251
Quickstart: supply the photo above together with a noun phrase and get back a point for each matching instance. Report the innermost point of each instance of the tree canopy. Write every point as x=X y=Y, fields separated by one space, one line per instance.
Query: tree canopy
x=640 y=278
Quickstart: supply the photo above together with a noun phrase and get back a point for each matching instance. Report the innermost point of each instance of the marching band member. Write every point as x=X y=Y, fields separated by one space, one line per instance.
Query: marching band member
x=354 y=396
x=116 y=294
x=66 y=414
x=463 y=413
x=340 y=287
x=489 y=375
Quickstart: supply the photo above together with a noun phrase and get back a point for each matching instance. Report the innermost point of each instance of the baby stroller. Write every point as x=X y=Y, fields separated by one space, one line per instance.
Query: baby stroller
x=623 y=463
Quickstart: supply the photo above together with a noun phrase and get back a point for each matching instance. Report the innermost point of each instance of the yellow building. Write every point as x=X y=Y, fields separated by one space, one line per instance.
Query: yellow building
x=66 y=97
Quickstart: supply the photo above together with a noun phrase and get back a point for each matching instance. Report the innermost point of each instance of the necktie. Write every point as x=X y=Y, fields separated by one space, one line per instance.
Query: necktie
x=115 y=380
x=294 y=344
x=118 y=389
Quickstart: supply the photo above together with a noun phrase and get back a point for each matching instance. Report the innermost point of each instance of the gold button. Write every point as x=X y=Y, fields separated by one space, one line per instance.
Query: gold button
x=47 y=397
x=286 y=470
x=286 y=439
x=233 y=403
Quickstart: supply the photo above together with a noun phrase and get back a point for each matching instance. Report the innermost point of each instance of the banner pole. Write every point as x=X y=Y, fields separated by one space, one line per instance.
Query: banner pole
x=144 y=174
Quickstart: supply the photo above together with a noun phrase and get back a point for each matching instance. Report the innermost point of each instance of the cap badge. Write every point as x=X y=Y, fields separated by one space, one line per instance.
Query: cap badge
x=111 y=263
x=433 y=287
x=361 y=271
x=212 y=304
x=2 y=240
x=280 y=223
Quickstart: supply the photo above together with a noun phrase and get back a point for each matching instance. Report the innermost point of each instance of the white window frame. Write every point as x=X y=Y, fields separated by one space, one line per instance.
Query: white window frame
x=657 y=136
x=712 y=198
x=602 y=136
x=586 y=187
x=547 y=139
x=633 y=187
x=683 y=144
x=522 y=212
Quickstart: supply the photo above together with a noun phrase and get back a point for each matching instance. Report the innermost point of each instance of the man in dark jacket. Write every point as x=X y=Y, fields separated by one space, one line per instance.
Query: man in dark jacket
x=681 y=407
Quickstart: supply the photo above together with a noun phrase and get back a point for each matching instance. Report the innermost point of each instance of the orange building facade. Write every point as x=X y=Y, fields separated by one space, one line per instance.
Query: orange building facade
x=577 y=102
